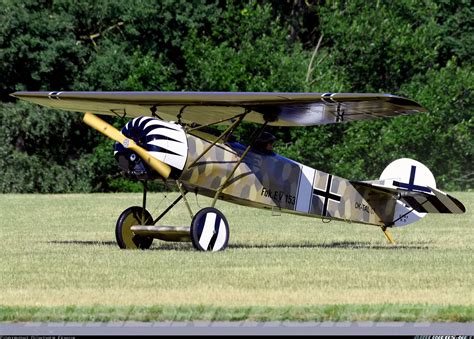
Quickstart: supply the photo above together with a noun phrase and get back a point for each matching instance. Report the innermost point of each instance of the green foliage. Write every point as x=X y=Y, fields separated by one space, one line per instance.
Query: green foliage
x=383 y=45
x=235 y=57
x=445 y=140
x=423 y=51
x=38 y=47
x=149 y=73
x=456 y=17
x=43 y=150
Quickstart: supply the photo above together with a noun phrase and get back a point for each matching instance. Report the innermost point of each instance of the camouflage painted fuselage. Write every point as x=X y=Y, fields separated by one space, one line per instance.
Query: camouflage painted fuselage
x=275 y=182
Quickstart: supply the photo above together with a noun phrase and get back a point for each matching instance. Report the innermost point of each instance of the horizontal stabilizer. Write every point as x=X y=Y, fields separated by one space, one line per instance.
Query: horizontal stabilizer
x=431 y=200
x=440 y=202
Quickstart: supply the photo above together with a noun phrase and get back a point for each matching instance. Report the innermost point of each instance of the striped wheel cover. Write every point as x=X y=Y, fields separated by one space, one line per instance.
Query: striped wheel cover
x=209 y=230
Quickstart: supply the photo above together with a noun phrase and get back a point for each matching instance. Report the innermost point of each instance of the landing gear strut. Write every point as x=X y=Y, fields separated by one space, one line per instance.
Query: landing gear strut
x=136 y=228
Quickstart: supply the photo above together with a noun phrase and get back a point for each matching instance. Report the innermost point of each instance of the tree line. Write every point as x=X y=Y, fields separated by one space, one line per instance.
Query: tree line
x=421 y=50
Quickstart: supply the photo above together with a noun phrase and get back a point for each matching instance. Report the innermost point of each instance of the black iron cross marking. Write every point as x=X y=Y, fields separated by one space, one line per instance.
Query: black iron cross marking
x=411 y=183
x=327 y=195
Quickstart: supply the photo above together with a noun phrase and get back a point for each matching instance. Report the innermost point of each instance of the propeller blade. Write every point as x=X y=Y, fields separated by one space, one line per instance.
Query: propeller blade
x=110 y=131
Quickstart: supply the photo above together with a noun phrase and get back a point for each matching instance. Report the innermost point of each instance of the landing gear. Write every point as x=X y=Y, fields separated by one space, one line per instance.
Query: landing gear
x=126 y=238
x=209 y=230
x=136 y=228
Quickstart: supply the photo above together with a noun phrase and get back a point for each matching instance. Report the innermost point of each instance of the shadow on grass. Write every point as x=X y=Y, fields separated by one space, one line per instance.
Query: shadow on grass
x=342 y=244
x=83 y=242
x=176 y=246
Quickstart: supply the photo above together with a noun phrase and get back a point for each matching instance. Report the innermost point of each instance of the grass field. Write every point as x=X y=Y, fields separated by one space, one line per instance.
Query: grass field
x=59 y=261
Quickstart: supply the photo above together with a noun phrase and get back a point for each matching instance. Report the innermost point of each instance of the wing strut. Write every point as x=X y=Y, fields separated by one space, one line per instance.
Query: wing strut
x=183 y=194
x=254 y=137
x=226 y=132
x=217 y=122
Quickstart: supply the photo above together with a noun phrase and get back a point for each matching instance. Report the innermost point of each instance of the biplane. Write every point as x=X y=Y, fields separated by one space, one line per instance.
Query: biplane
x=171 y=137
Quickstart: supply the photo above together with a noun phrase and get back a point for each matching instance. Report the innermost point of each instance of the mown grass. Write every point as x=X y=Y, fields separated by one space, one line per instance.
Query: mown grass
x=389 y=312
x=59 y=261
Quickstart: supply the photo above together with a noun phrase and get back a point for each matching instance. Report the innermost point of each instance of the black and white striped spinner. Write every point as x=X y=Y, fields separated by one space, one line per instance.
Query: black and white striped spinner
x=164 y=141
x=209 y=230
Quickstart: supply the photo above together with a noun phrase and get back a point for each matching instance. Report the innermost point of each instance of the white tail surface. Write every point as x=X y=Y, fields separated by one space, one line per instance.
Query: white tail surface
x=405 y=214
x=412 y=176
x=408 y=174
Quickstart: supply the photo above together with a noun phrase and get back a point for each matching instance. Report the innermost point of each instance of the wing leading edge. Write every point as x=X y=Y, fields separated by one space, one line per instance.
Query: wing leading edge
x=279 y=109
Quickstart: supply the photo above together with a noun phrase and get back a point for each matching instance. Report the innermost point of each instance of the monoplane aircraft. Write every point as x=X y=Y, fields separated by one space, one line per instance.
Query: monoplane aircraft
x=169 y=139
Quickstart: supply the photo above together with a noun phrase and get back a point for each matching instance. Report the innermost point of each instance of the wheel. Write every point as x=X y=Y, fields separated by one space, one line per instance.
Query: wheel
x=209 y=230
x=132 y=216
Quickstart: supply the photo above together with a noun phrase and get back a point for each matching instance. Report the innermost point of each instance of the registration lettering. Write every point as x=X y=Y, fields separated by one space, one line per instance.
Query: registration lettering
x=278 y=196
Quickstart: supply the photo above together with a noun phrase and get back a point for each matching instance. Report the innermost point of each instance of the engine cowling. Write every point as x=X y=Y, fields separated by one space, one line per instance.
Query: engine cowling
x=165 y=141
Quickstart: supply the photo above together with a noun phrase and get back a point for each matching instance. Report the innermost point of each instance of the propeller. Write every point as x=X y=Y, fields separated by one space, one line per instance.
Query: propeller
x=114 y=134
